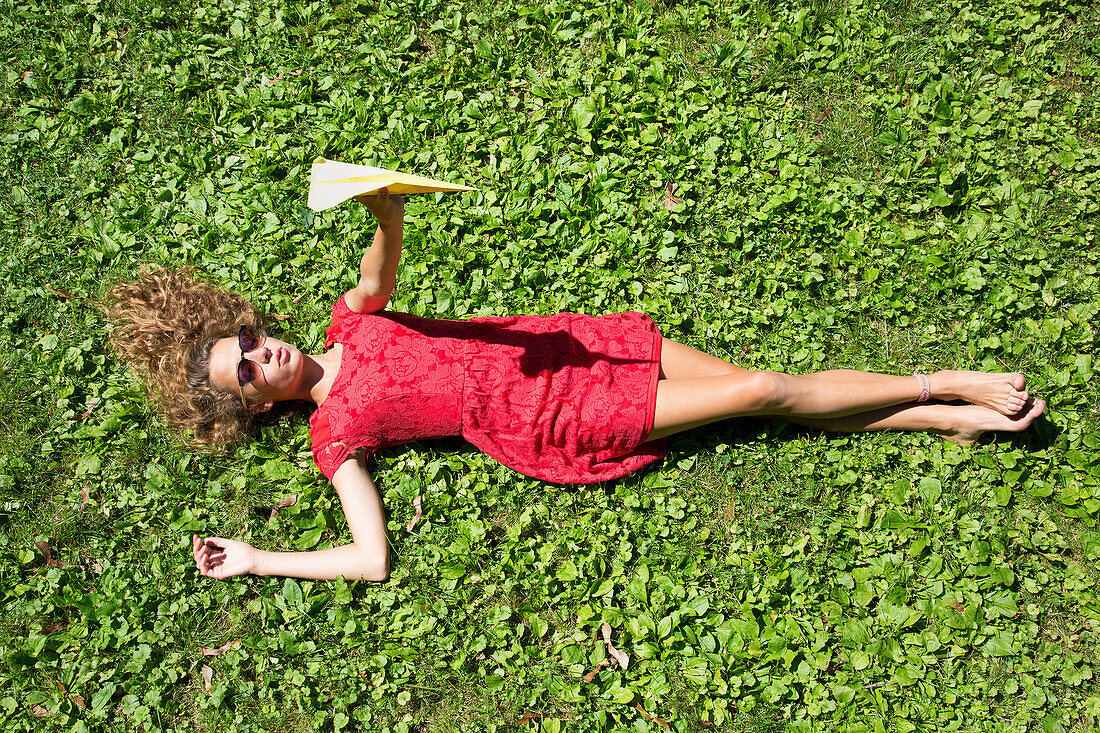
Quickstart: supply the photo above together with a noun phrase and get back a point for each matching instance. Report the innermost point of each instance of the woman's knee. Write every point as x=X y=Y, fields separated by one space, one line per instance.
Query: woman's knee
x=763 y=392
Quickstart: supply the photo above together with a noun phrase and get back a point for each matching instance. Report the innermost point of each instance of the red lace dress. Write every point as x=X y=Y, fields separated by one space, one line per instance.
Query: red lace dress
x=566 y=398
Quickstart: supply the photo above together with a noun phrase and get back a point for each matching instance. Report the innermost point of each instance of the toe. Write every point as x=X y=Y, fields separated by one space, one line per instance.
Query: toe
x=1033 y=410
x=1017 y=381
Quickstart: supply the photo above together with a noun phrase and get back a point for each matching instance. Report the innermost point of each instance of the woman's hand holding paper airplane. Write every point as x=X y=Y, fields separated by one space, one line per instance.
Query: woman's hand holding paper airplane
x=388 y=208
x=332 y=183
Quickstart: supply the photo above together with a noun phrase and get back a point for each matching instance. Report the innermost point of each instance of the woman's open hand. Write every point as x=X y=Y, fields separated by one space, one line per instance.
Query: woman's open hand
x=387 y=208
x=217 y=557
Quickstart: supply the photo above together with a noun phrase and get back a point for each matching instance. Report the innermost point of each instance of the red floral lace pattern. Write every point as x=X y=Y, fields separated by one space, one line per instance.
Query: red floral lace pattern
x=564 y=398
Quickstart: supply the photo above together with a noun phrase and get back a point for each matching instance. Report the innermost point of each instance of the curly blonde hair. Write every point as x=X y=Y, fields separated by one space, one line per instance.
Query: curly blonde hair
x=166 y=324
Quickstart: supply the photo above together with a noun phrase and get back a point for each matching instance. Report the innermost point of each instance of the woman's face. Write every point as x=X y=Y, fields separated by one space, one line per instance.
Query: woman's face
x=277 y=366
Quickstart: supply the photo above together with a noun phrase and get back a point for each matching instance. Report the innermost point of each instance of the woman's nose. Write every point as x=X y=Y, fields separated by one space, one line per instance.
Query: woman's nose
x=261 y=355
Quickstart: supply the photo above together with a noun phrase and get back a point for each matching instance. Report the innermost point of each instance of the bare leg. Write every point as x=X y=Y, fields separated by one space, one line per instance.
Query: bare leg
x=700 y=389
x=961 y=423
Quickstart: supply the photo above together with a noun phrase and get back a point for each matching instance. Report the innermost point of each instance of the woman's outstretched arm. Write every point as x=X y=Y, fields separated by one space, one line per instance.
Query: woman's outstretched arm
x=378 y=268
x=366 y=558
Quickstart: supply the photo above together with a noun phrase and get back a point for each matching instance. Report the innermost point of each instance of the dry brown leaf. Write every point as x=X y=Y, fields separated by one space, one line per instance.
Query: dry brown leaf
x=620 y=657
x=207 y=675
x=417 y=516
x=649 y=716
x=77 y=699
x=670 y=200
x=529 y=717
x=40 y=712
x=592 y=675
x=27 y=75
x=59 y=293
x=208 y=652
x=279 y=316
x=85 y=495
x=281 y=504
x=957 y=606
x=45 y=550
x=824 y=114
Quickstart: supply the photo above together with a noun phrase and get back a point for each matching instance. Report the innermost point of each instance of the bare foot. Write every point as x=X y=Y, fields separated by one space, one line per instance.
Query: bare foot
x=1001 y=392
x=974 y=420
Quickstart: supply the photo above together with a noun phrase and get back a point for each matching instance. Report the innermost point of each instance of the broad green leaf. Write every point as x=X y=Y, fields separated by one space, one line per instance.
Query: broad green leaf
x=292 y=592
x=999 y=645
x=930 y=490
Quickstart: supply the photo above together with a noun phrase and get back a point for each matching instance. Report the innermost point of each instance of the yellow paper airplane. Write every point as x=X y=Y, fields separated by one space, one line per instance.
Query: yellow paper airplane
x=332 y=183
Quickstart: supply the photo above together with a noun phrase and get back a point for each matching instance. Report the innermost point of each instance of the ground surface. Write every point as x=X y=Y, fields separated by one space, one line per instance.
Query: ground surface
x=889 y=186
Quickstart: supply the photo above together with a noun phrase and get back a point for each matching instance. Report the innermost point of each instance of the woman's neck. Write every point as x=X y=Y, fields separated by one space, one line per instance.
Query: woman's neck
x=321 y=371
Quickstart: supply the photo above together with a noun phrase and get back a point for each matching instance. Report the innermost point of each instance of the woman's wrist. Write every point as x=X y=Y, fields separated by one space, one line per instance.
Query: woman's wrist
x=390 y=226
x=259 y=562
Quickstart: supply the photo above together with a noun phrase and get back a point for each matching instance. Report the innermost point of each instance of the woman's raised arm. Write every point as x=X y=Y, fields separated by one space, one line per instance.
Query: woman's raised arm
x=366 y=558
x=378 y=268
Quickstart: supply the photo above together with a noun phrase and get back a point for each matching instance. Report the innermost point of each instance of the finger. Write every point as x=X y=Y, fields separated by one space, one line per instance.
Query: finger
x=212 y=551
x=209 y=563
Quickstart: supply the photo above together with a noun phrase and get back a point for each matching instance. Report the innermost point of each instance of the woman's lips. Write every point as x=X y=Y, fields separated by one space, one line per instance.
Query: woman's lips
x=284 y=356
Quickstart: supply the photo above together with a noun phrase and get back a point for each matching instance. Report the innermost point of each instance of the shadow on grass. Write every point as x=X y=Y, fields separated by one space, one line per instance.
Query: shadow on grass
x=1042 y=433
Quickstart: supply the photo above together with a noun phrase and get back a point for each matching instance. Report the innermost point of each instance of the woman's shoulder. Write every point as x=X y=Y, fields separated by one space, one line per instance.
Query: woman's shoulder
x=328 y=451
x=341 y=310
x=343 y=316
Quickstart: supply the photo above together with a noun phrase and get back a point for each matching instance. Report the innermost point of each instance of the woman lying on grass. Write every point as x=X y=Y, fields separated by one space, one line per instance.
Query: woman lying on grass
x=566 y=398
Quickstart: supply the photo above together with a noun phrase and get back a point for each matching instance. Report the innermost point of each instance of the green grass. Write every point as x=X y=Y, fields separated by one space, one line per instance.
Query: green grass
x=883 y=186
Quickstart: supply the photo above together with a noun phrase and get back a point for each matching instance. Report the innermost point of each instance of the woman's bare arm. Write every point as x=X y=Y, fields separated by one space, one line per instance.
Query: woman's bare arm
x=366 y=558
x=378 y=268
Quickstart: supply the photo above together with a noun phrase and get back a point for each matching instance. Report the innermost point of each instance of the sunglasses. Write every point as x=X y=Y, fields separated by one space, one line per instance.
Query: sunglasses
x=247 y=371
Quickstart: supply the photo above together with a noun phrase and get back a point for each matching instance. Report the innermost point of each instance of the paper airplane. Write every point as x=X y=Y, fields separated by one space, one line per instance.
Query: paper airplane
x=332 y=183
